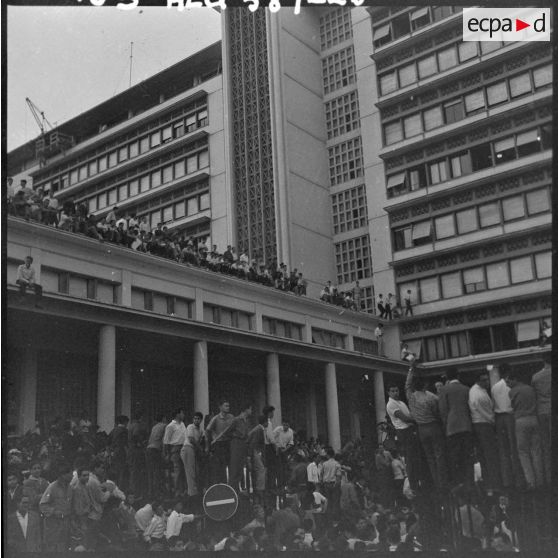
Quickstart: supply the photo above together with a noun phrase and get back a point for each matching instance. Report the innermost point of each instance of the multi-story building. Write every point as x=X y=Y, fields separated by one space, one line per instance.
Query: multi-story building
x=351 y=144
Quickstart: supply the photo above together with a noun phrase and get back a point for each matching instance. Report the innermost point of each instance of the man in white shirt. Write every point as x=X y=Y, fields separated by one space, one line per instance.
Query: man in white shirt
x=284 y=440
x=510 y=468
x=406 y=428
x=314 y=471
x=26 y=277
x=482 y=417
x=173 y=440
x=175 y=521
x=189 y=451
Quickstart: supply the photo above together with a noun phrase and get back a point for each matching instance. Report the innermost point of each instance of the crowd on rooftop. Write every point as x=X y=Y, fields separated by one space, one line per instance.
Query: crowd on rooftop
x=455 y=462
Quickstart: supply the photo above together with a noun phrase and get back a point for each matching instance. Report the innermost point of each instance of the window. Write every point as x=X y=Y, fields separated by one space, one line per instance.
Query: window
x=489 y=214
x=521 y=84
x=460 y=165
x=445 y=226
x=102 y=200
x=417 y=178
x=191 y=123
x=92 y=204
x=335 y=27
x=542 y=76
x=91 y=289
x=401 y=25
x=123 y=154
x=435 y=349
x=537 y=201
x=505 y=150
x=513 y=208
x=427 y=66
x=73 y=176
x=504 y=337
x=171 y=302
x=441 y=12
x=382 y=36
x=112 y=196
x=179 y=168
x=412 y=125
x=144 y=183
x=420 y=18
x=134 y=149
x=458 y=345
x=393 y=132
x=497 y=93
x=204 y=201
x=342 y=115
x=467 y=50
x=429 y=289
x=192 y=205
x=528 y=331
x=454 y=111
x=63 y=282
x=489 y=46
x=166 y=133
x=546 y=136
x=438 y=171
x=82 y=172
x=148 y=300
x=474 y=102
x=447 y=58
x=179 y=210
x=112 y=159
x=480 y=340
x=521 y=270
x=388 y=83
x=134 y=186
x=102 y=163
x=178 y=129
x=156 y=178
x=481 y=157
x=144 y=144
x=402 y=238
x=433 y=118
x=451 y=285
x=345 y=161
x=473 y=280
x=497 y=275
x=191 y=164
x=407 y=74
x=92 y=167
x=167 y=174
x=422 y=232
x=123 y=192
x=167 y=214
x=467 y=220
x=352 y=258
x=396 y=184
x=338 y=69
x=543 y=264
x=155 y=139
x=527 y=143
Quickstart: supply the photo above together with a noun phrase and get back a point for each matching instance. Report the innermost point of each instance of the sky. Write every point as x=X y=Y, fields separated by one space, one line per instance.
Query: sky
x=69 y=59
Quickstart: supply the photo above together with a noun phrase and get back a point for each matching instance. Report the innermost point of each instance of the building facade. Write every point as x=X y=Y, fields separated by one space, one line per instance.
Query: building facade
x=368 y=145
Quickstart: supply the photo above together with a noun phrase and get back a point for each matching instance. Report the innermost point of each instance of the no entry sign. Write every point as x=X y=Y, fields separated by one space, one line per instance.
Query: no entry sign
x=220 y=502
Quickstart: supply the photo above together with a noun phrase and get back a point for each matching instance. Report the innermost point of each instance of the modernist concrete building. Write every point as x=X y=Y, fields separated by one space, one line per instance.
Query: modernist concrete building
x=351 y=144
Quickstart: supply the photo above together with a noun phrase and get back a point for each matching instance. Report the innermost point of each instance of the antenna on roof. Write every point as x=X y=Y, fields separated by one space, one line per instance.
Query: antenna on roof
x=131 y=60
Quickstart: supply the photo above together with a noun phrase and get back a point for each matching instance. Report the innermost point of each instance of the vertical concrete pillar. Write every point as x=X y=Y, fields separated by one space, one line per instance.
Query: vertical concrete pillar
x=332 y=407
x=106 y=378
x=379 y=398
x=274 y=386
x=311 y=412
x=126 y=389
x=28 y=393
x=201 y=378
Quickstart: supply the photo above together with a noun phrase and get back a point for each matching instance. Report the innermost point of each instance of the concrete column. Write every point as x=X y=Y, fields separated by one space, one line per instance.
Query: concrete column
x=106 y=378
x=379 y=398
x=198 y=306
x=126 y=389
x=311 y=412
x=274 y=386
x=28 y=393
x=201 y=378
x=332 y=407
x=125 y=298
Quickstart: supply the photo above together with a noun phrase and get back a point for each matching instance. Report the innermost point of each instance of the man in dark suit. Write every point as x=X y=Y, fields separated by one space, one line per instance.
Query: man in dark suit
x=454 y=410
x=23 y=528
x=13 y=492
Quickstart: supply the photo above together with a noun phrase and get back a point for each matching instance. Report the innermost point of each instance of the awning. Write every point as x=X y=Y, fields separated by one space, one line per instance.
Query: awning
x=396 y=180
x=381 y=32
x=421 y=230
x=504 y=144
x=414 y=347
x=419 y=13
x=527 y=137
x=527 y=331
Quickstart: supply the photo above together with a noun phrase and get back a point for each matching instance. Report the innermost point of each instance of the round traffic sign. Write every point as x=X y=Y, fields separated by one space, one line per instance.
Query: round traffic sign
x=220 y=502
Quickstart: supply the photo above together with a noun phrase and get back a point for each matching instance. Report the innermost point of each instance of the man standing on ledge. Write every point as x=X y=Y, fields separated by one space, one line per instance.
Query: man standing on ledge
x=219 y=443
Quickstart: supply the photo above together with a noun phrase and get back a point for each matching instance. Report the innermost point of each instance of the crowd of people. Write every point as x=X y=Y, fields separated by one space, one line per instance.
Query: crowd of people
x=455 y=461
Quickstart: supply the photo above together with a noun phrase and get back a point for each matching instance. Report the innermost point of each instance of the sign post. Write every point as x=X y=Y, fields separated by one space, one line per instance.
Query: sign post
x=220 y=502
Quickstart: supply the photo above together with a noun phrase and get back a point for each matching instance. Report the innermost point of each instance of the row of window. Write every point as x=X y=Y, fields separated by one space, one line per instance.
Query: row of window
x=349 y=210
x=480 y=278
x=439 y=61
x=227 y=317
x=345 y=161
x=471 y=219
x=183 y=208
x=149 y=181
x=328 y=338
x=335 y=27
x=342 y=115
x=482 y=340
x=281 y=328
x=367 y=346
x=130 y=150
x=161 y=303
x=470 y=160
x=404 y=24
x=353 y=260
x=338 y=70
x=459 y=108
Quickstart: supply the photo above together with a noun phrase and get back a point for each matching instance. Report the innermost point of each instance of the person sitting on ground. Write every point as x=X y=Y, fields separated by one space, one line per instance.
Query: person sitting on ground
x=26 y=277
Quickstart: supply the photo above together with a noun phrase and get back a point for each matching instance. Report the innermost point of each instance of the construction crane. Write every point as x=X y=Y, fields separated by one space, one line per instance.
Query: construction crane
x=52 y=141
x=38 y=115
